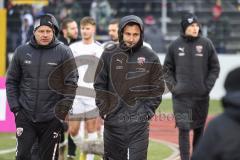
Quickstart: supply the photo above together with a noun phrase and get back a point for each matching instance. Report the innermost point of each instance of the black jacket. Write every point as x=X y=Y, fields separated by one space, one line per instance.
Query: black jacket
x=129 y=88
x=129 y=74
x=32 y=85
x=221 y=138
x=191 y=68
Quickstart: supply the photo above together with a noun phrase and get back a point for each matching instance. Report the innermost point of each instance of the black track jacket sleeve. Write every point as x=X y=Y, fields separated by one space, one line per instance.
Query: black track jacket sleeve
x=214 y=68
x=12 y=83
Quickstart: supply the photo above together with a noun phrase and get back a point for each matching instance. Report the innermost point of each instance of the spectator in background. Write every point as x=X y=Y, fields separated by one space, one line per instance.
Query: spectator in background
x=13 y=23
x=153 y=35
x=221 y=138
x=69 y=9
x=112 y=33
x=26 y=29
x=37 y=10
x=218 y=28
x=101 y=11
x=238 y=5
x=191 y=68
x=69 y=31
x=50 y=8
x=113 y=30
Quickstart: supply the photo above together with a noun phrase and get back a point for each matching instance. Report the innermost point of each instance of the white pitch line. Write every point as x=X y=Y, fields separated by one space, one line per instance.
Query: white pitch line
x=6 y=151
x=172 y=146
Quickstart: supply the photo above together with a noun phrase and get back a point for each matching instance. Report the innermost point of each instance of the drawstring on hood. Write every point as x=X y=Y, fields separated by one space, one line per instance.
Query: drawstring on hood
x=123 y=22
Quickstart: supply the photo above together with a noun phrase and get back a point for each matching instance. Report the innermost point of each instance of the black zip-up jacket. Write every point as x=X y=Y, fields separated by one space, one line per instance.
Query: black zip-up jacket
x=128 y=74
x=32 y=85
x=129 y=88
x=191 y=68
x=121 y=76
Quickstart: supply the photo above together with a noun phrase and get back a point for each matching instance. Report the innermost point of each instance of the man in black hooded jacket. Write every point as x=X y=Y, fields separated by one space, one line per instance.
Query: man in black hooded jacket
x=41 y=84
x=129 y=87
x=221 y=138
x=191 y=67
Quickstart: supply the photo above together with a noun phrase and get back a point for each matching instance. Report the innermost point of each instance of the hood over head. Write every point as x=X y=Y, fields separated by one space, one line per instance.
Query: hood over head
x=123 y=22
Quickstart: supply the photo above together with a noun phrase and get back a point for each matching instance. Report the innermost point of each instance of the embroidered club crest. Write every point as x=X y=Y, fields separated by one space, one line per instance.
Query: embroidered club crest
x=199 y=48
x=19 y=131
x=141 y=60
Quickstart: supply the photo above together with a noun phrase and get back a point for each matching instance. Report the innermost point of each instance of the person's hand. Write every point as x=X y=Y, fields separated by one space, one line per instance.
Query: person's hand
x=16 y=114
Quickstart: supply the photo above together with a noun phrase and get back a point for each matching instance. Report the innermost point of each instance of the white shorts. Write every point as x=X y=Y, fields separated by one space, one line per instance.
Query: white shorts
x=83 y=105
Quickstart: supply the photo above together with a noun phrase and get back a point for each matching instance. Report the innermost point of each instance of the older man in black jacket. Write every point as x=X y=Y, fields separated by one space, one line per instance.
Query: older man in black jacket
x=191 y=67
x=41 y=76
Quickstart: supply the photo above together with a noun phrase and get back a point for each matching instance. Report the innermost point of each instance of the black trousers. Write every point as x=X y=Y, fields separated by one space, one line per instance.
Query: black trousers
x=184 y=141
x=129 y=142
x=47 y=134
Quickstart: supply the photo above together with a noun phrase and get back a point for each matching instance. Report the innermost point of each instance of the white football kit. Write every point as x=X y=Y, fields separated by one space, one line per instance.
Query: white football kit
x=85 y=56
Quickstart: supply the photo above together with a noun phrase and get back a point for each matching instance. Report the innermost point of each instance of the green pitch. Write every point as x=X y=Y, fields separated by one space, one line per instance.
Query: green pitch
x=156 y=151
x=215 y=107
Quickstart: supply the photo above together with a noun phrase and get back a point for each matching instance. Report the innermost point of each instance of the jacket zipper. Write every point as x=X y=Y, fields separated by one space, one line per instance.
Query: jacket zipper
x=37 y=90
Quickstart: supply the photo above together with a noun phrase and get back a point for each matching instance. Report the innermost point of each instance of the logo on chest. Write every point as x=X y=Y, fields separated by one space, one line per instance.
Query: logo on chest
x=199 y=49
x=28 y=58
x=141 y=60
x=119 y=62
x=181 y=51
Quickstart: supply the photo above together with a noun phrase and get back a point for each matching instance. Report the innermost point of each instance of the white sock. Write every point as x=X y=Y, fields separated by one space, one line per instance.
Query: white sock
x=80 y=136
x=77 y=139
x=91 y=136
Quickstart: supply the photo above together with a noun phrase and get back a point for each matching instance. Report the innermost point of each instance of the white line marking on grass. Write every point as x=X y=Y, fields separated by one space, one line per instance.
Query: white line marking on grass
x=6 y=151
x=13 y=137
x=172 y=146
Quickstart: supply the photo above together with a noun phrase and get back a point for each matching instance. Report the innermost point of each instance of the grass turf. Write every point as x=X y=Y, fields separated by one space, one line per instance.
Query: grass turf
x=156 y=151
x=214 y=107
